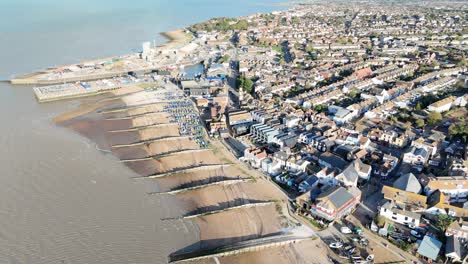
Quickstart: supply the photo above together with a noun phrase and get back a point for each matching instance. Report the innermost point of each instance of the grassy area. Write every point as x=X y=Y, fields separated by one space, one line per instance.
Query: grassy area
x=314 y=223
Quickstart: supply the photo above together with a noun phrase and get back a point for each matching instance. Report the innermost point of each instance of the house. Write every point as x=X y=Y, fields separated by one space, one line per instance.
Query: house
x=439 y=203
x=306 y=137
x=407 y=200
x=281 y=157
x=392 y=211
x=327 y=176
x=461 y=101
x=364 y=142
x=308 y=184
x=285 y=140
x=416 y=156
x=431 y=143
x=330 y=204
x=239 y=117
x=254 y=156
x=196 y=89
x=454 y=250
x=454 y=187
x=429 y=248
x=291 y=121
x=322 y=143
x=263 y=133
x=363 y=73
x=340 y=114
x=385 y=166
x=458 y=229
x=395 y=137
x=297 y=165
x=344 y=151
x=353 y=172
x=268 y=166
x=260 y=116
x=458 y=168
x=408 y=182
x=330 y=160
x=442 y=105
x=352 y=139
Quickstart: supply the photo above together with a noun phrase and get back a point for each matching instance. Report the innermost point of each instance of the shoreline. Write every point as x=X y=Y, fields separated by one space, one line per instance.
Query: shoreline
x=95 y=120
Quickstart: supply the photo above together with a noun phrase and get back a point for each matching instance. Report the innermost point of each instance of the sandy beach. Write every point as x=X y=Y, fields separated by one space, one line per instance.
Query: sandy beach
x=175 y=38
x=138 y=132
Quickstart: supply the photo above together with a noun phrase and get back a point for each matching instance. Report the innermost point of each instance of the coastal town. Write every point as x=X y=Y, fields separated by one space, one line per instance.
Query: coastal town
x=338 y=129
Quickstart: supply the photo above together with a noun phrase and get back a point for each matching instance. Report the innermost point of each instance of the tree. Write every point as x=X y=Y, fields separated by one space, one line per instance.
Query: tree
x=459 y=129
x=281 y=61
x=407 y=125
x=419 y=123
x=353 y=93
x=434 y=117
x=319 y=108
x=224 y=59
x=245 y=83
x=310 y=48
x=380 y=221
x=443 y=221
x=418 y=106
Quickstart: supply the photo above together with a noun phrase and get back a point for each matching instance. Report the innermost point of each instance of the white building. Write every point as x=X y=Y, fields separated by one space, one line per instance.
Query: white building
x=417 y=157
x=391 y=211
x=454 y=187
x=443 y=105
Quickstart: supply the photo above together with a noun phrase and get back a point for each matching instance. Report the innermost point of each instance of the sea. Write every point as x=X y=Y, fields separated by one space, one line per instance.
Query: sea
x=62 y=199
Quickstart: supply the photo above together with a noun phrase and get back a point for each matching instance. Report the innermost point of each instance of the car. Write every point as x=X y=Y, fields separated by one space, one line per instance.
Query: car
x=416 y=234
x=410 y=225
x=358 y=230
x=350 y=250
x=336 y=245
x=345 y=230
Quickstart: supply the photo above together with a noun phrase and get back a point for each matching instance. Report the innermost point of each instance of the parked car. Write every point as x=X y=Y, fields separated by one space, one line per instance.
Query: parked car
x=416 y=234
x=336 y=245
x=357 y=230
x=410 y=225
x=350 y=250
x=345 y=230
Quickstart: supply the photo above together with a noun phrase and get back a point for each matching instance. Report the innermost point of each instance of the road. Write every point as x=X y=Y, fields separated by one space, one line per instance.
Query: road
x=232 y=80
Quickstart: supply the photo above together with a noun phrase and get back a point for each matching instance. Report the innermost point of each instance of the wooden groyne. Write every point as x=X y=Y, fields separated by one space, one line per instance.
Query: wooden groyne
x=166 y=154
x=149 y=141
x=237 y=207
x=202 y=186
x=185 y=170
x=138 y=128
x=237 y=248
